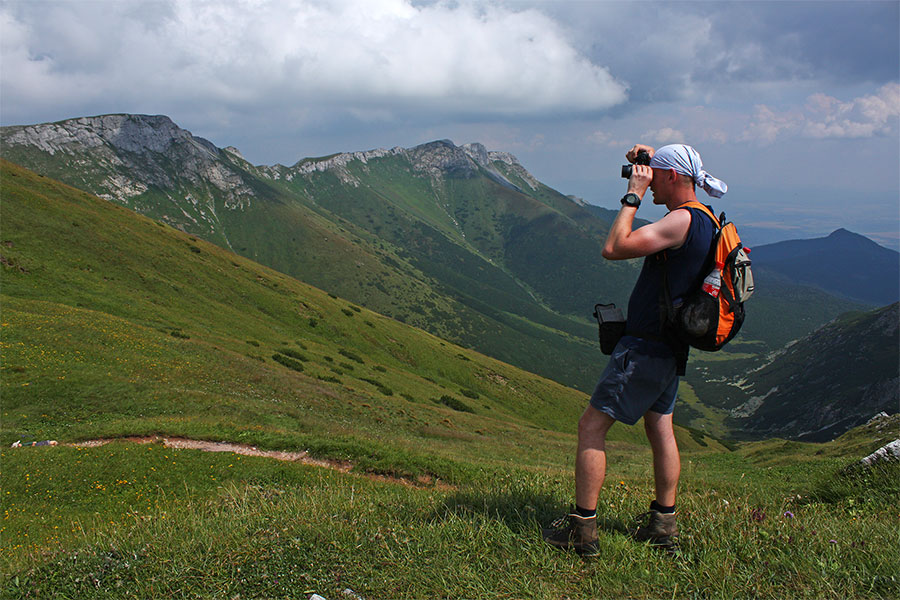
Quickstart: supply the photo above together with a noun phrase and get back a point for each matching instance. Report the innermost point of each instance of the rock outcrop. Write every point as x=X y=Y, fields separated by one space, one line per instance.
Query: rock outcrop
x=435 y=160
x=123 y=156
x=888 y=452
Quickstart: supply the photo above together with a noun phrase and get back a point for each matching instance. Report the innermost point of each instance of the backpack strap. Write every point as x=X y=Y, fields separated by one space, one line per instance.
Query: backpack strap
x=667 y=310
x=667 y=316
x=705 y=209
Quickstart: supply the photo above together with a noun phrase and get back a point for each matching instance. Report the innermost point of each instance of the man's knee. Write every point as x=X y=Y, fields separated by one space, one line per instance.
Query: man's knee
x=659 y=428
x=594 y=423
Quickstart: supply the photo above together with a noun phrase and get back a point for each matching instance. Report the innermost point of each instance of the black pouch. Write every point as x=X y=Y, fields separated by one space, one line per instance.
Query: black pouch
x=612 y=326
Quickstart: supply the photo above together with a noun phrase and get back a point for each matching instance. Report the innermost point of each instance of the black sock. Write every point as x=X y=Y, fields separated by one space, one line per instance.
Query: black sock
x=583 y=512
x=666 y=510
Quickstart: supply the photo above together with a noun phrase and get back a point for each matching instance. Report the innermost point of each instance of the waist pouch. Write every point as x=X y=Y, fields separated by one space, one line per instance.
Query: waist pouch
x=612 y=326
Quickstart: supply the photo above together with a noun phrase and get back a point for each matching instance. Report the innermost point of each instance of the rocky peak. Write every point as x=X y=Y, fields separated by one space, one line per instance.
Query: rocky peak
x=138 y=134
x=436 y=159
x=478 y=153
x=515 y=166
x=441 y=158
x=119 y=157
x=444 y=158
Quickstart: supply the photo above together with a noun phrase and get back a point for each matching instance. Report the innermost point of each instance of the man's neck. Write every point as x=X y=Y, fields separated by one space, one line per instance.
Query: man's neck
x=680 y=199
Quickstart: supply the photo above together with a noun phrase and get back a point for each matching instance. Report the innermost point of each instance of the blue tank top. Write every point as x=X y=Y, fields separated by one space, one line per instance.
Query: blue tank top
x=685 y=265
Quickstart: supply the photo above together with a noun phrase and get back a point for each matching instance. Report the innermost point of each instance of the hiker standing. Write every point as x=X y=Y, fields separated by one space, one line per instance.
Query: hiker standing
x=641 y=379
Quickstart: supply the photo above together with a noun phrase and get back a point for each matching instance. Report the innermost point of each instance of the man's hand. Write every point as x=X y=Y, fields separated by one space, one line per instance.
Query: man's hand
x=641 y=176
x=631 y=155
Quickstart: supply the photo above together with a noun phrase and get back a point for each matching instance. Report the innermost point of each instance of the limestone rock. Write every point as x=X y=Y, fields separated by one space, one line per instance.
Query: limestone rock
x=888 y=452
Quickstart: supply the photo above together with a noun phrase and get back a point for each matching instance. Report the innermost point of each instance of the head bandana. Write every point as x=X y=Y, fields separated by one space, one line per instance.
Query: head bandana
x=686 y=160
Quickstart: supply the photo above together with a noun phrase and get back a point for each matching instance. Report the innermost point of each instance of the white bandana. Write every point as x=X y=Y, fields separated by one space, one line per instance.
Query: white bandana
x=686 y=160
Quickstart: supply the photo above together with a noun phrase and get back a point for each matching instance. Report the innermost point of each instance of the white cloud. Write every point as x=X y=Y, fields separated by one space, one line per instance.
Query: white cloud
x=860 y=118
x=766 y=125
x=602 y=138
x=376 y=57
x=824 y=116
x=665 y=135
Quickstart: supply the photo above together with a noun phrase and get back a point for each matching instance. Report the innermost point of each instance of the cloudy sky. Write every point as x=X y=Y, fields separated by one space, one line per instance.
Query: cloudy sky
x=794 y=104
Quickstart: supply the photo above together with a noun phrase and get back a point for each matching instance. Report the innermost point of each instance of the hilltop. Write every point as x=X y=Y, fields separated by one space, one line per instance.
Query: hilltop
x=843 y=263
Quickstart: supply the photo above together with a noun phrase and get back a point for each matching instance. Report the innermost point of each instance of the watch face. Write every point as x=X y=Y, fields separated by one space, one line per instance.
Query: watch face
x=631 y=200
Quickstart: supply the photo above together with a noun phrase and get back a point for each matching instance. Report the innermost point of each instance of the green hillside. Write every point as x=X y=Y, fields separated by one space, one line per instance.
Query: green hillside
x=462 y=256
x=427 y=251
x=797 y=395
x=437 y=468
x=109 y=316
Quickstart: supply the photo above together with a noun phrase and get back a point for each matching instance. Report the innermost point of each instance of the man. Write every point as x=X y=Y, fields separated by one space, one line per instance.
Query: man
x=641 y=379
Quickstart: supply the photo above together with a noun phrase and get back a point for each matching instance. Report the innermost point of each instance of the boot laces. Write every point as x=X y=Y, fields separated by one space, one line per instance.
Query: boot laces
x=561 y=522
x=643 y=517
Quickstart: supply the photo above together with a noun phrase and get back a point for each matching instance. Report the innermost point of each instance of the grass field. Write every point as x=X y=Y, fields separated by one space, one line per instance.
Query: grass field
x=114 y=326
x=129 y=520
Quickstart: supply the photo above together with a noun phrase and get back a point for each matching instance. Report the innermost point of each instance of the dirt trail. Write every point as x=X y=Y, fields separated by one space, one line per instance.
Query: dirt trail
x=246 y=450
x=206 y=446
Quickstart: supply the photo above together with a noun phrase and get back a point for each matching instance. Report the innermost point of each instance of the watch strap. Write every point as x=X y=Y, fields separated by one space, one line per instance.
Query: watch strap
x=631 y=199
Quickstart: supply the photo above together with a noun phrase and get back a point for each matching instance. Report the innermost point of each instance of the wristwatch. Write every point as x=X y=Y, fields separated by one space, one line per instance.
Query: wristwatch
x=631 y=199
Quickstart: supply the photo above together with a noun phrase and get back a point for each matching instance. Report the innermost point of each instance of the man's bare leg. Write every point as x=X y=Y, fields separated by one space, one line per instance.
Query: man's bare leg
x=590 y=461
x=666 y=460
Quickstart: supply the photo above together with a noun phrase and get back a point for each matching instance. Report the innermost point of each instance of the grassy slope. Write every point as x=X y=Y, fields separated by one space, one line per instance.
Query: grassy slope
x=92 y=284
x=351 y=241
x=114 y=325
x=437 y=262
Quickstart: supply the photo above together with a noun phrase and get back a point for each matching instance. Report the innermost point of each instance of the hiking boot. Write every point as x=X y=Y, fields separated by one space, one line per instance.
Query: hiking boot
x=660 y=530
x=573 y=532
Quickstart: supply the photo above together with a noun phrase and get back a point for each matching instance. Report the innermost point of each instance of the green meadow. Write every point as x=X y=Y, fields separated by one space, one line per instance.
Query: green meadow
x=438 y=465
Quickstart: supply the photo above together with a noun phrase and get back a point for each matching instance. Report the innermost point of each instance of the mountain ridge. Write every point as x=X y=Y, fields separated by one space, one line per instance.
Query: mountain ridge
x=844 y=263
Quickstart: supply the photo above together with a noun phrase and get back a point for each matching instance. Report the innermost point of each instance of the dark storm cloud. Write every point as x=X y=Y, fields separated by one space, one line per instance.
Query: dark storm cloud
x=684 y=50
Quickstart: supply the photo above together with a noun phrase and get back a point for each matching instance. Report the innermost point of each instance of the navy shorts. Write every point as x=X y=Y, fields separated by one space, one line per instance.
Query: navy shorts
x=641 y=376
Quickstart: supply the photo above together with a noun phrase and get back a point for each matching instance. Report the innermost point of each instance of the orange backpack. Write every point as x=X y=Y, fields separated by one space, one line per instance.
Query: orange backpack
x=712 y=314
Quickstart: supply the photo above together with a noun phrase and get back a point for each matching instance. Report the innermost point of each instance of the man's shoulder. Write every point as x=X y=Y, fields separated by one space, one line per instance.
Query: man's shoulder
x=677 y=216
x=695 y=208
x=675 y=224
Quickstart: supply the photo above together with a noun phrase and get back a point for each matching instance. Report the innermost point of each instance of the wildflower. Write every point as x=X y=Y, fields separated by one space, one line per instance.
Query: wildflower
x=832 y=541
x=788 y=514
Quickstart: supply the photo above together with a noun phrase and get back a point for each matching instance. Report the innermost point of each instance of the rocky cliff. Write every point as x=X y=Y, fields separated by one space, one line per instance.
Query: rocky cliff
x=435 y=160
x=127 y=154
